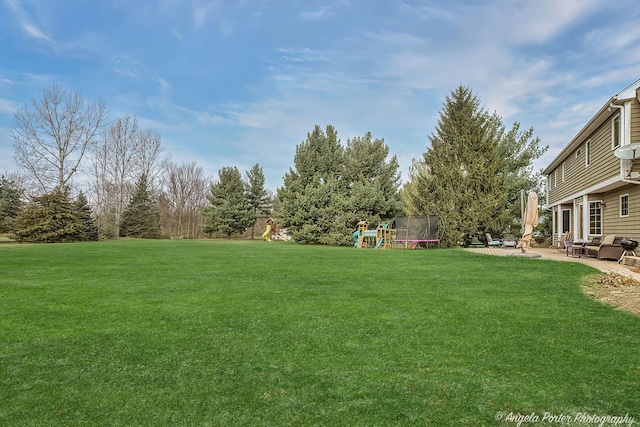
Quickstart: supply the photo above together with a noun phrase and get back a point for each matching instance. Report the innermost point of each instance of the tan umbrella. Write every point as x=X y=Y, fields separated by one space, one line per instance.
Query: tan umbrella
x=530 y=220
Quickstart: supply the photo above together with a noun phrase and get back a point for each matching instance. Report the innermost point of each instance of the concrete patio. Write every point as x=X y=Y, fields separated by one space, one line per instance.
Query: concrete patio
x=606 y=266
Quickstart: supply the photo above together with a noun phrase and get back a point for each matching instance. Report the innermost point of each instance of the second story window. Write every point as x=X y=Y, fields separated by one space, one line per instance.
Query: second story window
x=615 y=132
x=624 y=205
x=587 y=153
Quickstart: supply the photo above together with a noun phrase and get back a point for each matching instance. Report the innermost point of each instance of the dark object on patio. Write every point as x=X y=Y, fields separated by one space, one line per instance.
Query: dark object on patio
x=628 y=244
x=607 y=248
x=629 y=247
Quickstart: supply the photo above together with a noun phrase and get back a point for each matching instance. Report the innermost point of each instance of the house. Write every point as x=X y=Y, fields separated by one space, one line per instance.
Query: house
x=593 y=184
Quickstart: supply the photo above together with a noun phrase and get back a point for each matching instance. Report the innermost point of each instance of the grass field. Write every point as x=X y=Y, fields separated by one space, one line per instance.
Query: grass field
x=251 y=333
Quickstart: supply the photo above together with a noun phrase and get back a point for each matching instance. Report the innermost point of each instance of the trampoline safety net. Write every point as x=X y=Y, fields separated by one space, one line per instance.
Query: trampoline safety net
x=415 y=227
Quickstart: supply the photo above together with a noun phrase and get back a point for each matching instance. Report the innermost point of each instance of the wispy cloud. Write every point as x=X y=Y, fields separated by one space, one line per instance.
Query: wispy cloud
x=614 y=39
x=127 y=66
x=6 y=82
x=35 y=32
x=321 y=12
x=219 y=13
x=26 y=22
x=8 y=106
x=164 y=85
x=201 y=13
x=301 y=54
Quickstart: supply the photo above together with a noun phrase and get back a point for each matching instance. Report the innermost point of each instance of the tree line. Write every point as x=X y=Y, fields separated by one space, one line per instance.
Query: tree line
x=470 y=175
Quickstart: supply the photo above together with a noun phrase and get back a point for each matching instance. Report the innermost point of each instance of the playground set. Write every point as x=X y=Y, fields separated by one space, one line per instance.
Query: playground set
x=272 y=232
x=404 y=231
x=381 y=237
x=409 y=232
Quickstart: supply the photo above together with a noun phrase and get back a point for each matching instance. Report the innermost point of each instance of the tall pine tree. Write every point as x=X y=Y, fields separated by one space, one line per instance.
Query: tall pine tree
x=141 y=217
x=257 y=196
x=85 y=215
x=312 y=199
x=471 y=171
x=373 y=180
x=229 y=212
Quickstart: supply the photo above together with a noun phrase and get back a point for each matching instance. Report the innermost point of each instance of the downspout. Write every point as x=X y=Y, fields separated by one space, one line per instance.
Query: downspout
x=623 y=135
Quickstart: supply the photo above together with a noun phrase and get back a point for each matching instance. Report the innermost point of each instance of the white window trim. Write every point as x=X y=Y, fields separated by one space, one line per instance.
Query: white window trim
x=620 y=206
x=589 y=225
x=613 y=133
x=587 y=153
x=562 y=172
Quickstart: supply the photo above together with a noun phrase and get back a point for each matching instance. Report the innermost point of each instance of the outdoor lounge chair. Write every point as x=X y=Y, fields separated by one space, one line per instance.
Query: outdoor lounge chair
x=565 y=241
x=493 y=242
x=509 y=241
x=607 y=248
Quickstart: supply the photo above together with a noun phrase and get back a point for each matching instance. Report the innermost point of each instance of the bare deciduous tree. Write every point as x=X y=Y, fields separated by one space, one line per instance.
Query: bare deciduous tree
x=52 y=133
x=114 y=168
x=124 y=155
x=150 y=158
x=186 y=196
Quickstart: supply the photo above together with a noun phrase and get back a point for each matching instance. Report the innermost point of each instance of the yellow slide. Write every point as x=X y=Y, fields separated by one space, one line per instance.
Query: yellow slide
x=266 y=236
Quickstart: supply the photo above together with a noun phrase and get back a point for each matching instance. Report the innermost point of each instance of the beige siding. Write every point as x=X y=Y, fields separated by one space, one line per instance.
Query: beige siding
x=635 y=121
x=604 y=165
x=622 y=226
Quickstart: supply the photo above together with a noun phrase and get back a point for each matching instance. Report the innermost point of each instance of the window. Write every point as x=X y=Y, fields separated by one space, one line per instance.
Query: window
x=624 y=205
x=566 y=220
x=595 y=218
x=615 y=132
x=587 y=153
x=555 y=178
x=562 y=171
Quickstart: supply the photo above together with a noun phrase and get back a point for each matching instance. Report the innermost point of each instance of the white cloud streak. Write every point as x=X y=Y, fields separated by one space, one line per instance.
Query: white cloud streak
x=26 y=22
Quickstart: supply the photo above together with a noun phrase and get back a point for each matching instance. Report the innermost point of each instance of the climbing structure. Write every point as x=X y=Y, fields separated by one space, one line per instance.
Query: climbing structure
x=380 y=238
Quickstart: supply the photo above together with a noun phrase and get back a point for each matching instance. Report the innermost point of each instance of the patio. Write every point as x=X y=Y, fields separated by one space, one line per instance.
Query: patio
x=606 y=266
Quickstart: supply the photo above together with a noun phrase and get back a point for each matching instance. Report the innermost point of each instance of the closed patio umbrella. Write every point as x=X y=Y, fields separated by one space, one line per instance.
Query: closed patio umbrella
x=530 y=220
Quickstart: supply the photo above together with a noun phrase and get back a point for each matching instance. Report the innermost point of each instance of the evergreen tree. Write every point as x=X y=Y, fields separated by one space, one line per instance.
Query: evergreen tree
x=257 y=196
x=373 y=180
x=472 y=170
x=49 y=218
x=141 y=217
x=10 y=203
x=229 y=212
x=313 y=197
x=332 y=187
x=85 y=215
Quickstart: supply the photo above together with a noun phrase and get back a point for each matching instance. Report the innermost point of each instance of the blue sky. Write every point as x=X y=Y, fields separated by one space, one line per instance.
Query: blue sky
x=239 y=82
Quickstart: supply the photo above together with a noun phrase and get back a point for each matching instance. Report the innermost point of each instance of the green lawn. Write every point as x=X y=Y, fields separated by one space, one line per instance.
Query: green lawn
x=252 y=333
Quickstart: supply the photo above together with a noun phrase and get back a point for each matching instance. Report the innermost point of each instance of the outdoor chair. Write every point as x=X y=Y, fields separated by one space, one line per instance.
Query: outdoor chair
x=509 y=241
x=565 y=241
x=608 y=248
x=493 y=242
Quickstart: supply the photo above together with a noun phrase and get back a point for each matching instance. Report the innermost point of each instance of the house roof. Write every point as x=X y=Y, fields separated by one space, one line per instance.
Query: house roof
x=603 y=114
